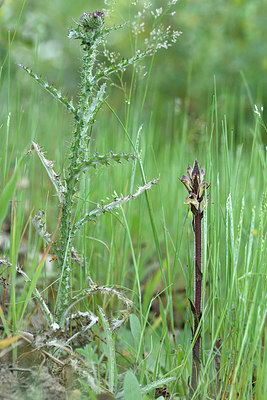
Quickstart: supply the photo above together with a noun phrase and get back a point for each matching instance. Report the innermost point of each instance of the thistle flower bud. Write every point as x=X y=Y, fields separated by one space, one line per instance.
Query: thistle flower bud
x=196 y=187
x=92 y=20
x=88 y=28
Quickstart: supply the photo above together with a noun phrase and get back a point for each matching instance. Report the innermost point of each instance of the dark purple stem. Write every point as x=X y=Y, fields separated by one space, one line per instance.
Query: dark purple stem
x=195 y=185
x=198 y=283
x=198 y=294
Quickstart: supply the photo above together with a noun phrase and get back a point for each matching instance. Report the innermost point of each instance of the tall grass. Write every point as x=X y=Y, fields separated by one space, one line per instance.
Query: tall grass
x=146 y=248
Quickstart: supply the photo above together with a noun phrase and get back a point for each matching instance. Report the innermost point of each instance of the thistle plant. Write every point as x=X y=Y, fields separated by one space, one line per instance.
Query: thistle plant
x=91 y=32
x=196 y=187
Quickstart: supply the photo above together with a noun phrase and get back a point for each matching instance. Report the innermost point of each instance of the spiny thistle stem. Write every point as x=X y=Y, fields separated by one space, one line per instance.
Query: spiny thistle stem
x=90 y=30
x=196 y=187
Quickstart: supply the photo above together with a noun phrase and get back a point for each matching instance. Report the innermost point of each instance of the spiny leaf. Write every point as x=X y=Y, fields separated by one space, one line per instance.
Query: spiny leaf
x=151 y=386
x=50 y=89
x=117 y=202
x=54 y=178
x=39 y=225
x=47 y=313
x=122 y=65
x=107 y=30
x=104 y=290
x=88 y=321
x=105 y=159
x=156 y=384
x=91 y=113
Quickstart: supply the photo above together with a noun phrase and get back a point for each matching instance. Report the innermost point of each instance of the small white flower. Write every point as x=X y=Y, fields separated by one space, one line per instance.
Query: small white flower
x=256 y=110
x=158 y=11
x=147 y=5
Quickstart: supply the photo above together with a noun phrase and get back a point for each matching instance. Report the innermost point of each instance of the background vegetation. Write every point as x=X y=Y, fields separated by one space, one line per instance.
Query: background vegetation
x=199 y=104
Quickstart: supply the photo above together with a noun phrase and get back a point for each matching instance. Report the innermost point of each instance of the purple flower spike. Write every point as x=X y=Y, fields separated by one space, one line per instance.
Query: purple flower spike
x=196 y=187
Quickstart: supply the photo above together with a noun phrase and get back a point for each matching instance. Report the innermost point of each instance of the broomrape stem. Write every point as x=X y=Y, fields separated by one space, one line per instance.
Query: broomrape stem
x=197 y=303
x=196 y=187
x=198 y=282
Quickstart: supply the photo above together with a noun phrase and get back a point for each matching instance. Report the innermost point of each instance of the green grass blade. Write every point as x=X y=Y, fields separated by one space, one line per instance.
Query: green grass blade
x=9 y=190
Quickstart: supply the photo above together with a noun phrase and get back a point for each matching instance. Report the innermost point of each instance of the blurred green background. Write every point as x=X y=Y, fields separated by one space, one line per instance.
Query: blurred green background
x=183 y=119
x=220 y=38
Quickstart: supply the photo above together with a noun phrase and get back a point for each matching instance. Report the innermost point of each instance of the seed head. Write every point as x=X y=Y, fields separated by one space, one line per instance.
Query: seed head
x=196 y=186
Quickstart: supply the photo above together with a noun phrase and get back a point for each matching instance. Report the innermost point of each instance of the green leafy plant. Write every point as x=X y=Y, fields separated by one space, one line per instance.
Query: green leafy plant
x=91 y=31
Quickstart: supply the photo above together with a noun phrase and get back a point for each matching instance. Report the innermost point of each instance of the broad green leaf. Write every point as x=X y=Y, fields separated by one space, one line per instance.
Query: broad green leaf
x=131 y=387
x=135 y=328
x=8 y=190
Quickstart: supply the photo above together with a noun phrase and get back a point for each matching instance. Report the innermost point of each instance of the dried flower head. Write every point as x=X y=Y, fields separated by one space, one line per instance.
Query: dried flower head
x=196 y=186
